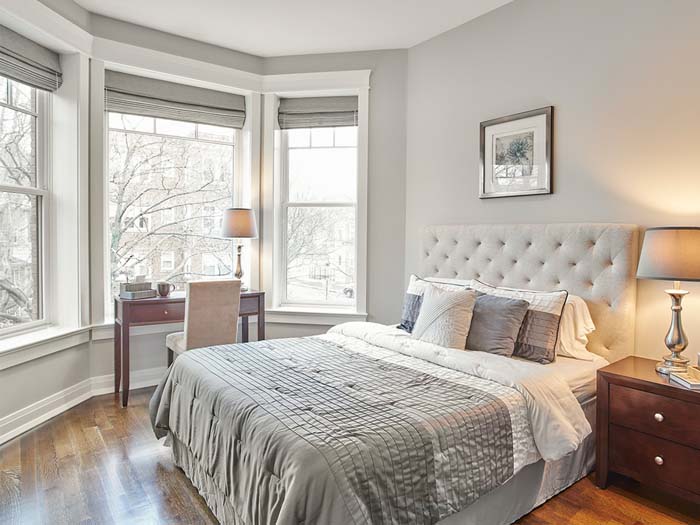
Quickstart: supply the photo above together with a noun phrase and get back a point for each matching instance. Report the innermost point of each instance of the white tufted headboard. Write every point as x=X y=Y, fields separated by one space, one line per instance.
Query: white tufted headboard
x=597 y=262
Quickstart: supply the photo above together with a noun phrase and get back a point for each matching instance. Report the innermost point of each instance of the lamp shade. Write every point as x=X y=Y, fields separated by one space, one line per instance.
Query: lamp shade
x=670 y=254
x=239 y=223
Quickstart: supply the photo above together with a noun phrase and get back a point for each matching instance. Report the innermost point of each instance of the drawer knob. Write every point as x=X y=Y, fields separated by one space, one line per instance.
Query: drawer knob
x=659 y=460
x=166 y=313
x=659 y=417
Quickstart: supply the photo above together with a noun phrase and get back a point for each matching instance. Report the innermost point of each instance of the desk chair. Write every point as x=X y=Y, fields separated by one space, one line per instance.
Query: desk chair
x=211 y=316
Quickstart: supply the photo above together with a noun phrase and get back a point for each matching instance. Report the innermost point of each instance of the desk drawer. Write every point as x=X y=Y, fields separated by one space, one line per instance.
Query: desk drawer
x=249 y=305
x=660 y=416
x=654 y=460
x=157 y=313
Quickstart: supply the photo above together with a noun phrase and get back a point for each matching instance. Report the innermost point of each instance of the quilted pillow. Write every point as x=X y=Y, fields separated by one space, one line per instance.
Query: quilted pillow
x=445 y=317
x=537 y=338
x=414 y=297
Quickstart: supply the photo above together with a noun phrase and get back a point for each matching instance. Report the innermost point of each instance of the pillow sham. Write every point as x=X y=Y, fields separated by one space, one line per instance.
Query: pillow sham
x=495 y=324
x=538 y=335
x=414 y=297
x=445 y=317
x=576 y=325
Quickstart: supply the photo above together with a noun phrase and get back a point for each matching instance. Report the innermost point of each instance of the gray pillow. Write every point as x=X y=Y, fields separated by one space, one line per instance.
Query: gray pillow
x=495 y=324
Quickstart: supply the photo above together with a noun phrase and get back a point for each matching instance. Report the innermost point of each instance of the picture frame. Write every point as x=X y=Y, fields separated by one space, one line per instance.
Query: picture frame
x=516 y=155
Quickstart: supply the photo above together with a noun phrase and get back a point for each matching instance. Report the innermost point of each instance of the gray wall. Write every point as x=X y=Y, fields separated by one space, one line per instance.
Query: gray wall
x=387 y=165
x=622 y=78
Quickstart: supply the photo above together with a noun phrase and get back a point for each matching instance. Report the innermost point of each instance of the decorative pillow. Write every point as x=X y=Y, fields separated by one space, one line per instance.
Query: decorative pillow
x=445 y=317
x=495 y=324
x=576 y=324
x=537 y=339
x=414 y=297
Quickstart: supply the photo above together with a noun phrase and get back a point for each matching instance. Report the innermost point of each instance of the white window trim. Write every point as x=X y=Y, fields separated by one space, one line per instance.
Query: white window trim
x=310 y=85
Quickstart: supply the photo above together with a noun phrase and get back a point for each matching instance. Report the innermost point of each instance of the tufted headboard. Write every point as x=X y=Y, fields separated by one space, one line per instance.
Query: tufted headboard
x=597 y=262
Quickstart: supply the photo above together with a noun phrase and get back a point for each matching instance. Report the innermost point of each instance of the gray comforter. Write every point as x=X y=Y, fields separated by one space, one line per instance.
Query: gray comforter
x=310 y=431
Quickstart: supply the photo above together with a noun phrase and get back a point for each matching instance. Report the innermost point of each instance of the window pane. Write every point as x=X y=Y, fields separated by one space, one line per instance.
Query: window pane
x=3 y=89
x=321 y=137
x=167 y=196
x=321 y=255
x=17 y=147
x=23 y=96
x=131 y=122
x=298 y=138
x=346 y=136
x=19 y=259
x=219 y=133
x=326 y=174
x=175 y=127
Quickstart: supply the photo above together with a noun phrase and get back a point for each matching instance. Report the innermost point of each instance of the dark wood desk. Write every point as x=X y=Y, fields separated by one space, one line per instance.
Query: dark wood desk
x=160 y=310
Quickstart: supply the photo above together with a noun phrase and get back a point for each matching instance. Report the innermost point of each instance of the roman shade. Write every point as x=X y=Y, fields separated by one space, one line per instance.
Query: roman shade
x=138 y=95
x=26 y=61
x=317 y=112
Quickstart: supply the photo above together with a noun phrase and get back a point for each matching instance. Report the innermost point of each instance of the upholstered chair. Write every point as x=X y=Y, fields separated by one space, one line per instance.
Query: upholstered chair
x=211 y=316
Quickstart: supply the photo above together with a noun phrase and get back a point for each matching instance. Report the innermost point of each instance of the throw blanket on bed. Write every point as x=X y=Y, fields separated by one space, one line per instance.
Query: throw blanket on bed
x=339 y=430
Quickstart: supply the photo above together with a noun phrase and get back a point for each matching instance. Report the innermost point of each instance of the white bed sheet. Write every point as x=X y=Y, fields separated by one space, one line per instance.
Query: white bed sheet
x=579 y=375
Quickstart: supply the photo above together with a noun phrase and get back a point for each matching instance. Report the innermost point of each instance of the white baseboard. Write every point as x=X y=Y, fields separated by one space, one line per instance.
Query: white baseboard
x=30 y=416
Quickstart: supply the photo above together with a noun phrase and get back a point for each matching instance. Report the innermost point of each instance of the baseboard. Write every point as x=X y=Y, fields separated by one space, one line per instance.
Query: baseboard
x=32 y=415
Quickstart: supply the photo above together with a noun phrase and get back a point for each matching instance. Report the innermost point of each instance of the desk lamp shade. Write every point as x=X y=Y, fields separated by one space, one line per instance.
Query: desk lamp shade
x=672 y=254
x=239 y=223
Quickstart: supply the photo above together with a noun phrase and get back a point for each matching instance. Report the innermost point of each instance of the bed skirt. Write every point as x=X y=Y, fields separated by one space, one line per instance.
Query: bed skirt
x=529 y=488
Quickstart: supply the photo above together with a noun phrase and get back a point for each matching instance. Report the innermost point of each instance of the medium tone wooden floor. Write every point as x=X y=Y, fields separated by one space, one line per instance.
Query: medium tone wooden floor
x=99 y=463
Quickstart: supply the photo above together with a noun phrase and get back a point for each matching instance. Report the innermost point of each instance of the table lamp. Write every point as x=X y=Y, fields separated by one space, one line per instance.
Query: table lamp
x=672 y=254
x=239 y=223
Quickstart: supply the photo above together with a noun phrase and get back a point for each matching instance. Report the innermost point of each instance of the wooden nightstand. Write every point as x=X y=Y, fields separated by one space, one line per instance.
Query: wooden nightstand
x=648 y=428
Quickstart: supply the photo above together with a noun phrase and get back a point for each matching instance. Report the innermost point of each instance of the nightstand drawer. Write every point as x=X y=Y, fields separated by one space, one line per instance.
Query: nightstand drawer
x=661 y=416
x=654 y=460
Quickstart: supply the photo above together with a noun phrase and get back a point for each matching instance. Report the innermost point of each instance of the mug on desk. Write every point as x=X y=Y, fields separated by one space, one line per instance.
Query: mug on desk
x=164 y=288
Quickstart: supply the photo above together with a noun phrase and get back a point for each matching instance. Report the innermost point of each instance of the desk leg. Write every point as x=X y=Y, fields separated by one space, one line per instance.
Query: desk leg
x=261 y=319
x=117 y=356
x=125 y=363
x=244 y=325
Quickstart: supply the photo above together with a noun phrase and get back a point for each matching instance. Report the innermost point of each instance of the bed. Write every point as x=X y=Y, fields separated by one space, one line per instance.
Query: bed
x=367 y=425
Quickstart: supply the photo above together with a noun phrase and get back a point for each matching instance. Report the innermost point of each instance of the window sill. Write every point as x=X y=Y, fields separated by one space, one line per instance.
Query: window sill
x=312 y=316
x=27 y=346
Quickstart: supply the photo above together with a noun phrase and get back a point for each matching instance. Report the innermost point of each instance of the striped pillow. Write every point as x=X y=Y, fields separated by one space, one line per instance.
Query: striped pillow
x=537 y=339
x=414 y=297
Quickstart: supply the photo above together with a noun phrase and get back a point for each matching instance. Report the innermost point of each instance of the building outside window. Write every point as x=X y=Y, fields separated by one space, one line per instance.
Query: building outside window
x=169 y=182
x=318 y=216
x=23 y=198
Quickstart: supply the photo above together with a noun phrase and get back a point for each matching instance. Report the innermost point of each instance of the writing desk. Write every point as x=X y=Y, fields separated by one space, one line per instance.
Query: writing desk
x=161 y=310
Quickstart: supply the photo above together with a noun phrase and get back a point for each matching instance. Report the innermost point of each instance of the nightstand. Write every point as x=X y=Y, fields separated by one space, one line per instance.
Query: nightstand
x=648 y=428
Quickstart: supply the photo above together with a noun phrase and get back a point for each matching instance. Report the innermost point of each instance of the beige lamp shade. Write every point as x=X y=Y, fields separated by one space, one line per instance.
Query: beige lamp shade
x=670 y=254
x=239 y=223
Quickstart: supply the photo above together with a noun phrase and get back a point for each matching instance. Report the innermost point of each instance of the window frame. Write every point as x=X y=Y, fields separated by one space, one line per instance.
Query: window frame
x=285 y=204
x=235 y=182
x=41 y=190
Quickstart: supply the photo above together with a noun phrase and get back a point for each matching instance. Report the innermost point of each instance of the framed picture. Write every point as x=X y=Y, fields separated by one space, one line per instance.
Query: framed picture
x=516 y=155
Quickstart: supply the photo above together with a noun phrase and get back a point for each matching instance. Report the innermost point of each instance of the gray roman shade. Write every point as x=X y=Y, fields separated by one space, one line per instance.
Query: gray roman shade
x=28 y=62
x=137 y=95
x=317 y=112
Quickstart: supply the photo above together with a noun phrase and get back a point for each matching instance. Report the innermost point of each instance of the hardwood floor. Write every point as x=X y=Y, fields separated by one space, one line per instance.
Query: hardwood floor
x=100 y=463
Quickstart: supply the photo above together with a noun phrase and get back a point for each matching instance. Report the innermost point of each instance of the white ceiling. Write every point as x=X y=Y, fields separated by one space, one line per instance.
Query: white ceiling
x=291 y=27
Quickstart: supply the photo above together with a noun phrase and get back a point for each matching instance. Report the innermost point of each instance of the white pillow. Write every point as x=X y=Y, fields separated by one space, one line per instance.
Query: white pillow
x=576 y=324
x=445 y=317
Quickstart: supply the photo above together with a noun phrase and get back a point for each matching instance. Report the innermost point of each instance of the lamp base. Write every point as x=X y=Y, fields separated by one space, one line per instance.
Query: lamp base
x=672 y=363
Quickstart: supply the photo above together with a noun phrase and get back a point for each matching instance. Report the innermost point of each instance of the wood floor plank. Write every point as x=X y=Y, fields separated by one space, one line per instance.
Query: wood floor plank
x=99 y=463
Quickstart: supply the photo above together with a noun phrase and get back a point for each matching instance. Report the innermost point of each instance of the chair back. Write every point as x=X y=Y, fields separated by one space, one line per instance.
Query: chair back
x=211 y=313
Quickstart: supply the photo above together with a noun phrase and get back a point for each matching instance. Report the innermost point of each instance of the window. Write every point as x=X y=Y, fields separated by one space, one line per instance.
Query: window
x=23 y=196
x=169 y=182
x=318 y=216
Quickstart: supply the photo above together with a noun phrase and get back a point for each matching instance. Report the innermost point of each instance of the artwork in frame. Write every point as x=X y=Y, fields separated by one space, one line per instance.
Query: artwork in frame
x=516 y=155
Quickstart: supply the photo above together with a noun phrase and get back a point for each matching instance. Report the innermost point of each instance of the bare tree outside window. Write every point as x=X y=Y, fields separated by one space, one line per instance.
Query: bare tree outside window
x=169 y=183
x=22 y=196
